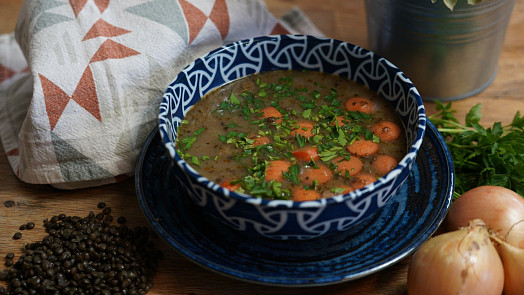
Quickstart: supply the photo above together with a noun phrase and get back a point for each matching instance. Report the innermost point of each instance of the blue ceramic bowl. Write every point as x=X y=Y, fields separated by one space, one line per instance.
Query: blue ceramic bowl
x=283 y=219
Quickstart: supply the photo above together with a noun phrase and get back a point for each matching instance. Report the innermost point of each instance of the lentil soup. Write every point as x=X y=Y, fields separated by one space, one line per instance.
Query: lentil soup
x=290 y=134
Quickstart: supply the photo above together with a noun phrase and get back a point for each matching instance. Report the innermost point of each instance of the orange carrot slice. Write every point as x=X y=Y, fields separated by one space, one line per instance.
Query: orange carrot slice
x=386 y=130
x=360 y=104
x=306 y=153
x=352 y=166
x=363 y=179
x=260 y=140
x=273 y=114
x=384 y=163
x=321 y=174
x=302 y=194
x=341 y=121
x=304 y=128
x=362 y=148
x=230 y=186
x=275 y=170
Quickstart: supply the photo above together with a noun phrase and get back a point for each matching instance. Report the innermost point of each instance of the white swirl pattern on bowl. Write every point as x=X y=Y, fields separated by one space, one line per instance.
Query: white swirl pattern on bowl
x=272 y=218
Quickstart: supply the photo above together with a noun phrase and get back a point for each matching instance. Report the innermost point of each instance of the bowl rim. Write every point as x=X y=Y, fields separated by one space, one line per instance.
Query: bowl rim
x=406 y=161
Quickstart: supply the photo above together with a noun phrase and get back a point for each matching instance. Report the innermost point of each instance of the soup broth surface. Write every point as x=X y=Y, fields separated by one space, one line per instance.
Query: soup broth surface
x=297 y=135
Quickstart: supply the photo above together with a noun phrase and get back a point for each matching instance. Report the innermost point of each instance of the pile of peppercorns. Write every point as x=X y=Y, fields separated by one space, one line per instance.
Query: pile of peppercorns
x=83 y=256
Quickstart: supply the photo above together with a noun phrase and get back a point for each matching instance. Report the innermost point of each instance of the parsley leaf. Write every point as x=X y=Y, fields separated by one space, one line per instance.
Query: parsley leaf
x=234 y=99
x=292 y=173
x=483 y=156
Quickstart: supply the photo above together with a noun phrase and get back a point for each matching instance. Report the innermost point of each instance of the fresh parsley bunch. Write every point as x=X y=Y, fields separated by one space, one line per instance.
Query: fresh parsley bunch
x=483 y=156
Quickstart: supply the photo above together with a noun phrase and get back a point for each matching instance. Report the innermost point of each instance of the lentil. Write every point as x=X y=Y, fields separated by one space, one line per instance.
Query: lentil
x=30 y=225
x=83 y=256
x=9 y=204
x=121 y=220
x=107 y=210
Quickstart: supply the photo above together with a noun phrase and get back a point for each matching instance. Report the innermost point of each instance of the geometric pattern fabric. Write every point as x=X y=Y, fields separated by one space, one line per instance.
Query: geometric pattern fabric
x=98 y=69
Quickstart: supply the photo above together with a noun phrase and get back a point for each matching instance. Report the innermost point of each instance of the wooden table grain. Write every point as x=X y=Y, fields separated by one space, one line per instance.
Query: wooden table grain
x=344 y=20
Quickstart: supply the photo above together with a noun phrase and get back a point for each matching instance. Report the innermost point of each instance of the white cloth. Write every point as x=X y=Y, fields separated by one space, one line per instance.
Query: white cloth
x=81 y=80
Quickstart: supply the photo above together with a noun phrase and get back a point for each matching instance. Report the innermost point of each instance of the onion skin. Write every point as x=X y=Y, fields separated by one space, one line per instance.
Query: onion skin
x=458 y=262
x=515 y=236
x=499 y=207
x=513 y=261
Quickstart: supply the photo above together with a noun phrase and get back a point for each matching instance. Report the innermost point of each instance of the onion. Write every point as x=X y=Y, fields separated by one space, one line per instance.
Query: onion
x=499 y=207
x=513 y=261
x=458 y=262
x=515 y=236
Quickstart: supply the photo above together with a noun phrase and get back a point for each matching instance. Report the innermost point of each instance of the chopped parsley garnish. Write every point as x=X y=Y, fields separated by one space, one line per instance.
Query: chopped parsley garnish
x=234 y=99
x=292 y=174
x=263 y=138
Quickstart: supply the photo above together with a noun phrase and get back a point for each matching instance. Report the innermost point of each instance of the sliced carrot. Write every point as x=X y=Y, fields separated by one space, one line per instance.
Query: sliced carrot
x=273 y=114
x=362 y=147
x=301 y=194
x=306 y=153
x=260 y=140
x=351 y=166
x=363 y=179
x=304 y=128
x=229 y=185
x=386 y=130
x=275 y=170
x=321 y=174
x=384 y=163
x=341 y=121
x=360 y=104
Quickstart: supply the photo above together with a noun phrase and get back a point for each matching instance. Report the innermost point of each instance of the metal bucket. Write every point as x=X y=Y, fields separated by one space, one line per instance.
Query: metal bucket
x=448 y=55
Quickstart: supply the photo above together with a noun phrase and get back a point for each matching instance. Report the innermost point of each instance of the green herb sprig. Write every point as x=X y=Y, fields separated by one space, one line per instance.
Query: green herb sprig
x=483 y=156
x=451 y=3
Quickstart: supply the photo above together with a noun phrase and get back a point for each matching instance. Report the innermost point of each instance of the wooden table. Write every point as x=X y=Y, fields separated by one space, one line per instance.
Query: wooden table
x=344 y=20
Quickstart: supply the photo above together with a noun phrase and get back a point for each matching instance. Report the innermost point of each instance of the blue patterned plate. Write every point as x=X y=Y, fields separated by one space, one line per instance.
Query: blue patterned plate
x=400 y=227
